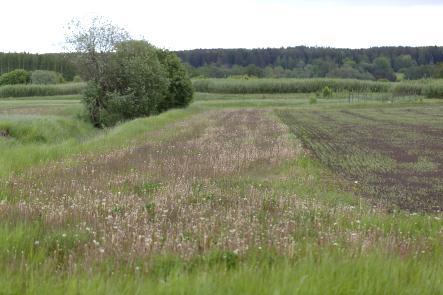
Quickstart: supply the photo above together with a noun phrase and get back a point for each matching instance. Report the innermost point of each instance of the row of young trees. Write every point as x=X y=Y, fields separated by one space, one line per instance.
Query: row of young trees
x=55 y=62
x=305 y=62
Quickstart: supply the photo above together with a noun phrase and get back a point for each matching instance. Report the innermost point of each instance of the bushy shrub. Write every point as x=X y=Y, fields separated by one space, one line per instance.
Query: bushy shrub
x=312 y=100
x=326 y=92
x=77 y=79
x=141 y=80
x=46 y=77
x=180 y=90
x=15 y=77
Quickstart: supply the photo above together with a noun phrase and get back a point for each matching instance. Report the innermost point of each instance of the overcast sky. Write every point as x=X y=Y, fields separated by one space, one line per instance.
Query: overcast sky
x=38 y=26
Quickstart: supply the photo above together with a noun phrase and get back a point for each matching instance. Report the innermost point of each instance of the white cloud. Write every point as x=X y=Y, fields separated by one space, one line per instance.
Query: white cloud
x=37 y=26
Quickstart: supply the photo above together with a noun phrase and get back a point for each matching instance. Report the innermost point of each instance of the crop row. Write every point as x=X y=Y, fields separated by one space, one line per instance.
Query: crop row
x=41 y=90
x=429 y=88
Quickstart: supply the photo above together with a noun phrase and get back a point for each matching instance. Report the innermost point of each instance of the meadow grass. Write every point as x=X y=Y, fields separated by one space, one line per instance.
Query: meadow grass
x=28 y=150
x=48 y=130
x=210 y=199
x=329 y=273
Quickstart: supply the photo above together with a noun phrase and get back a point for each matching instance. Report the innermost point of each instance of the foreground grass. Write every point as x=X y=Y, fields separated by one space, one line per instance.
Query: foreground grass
x=330 y=273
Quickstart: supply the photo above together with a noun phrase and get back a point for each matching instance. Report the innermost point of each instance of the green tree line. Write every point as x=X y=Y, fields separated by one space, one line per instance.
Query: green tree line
x=387 y=63
x=378 y=63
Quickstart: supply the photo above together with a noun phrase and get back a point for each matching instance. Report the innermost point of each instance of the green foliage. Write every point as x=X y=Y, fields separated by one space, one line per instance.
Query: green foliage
x=15 y=77
x=438 y=71
x=46 y=77
x=327 y=92
x=403 y=61
x=41 y=90
x=141 y=81
x=434 y=90
x=77 y=79
x=180 y=91
x=382 y=70
x=44 y=130
x=309 y=62
x=59 y=62
x=430 y=88
x=312 y=100
x=20 y=153
x=286 y=85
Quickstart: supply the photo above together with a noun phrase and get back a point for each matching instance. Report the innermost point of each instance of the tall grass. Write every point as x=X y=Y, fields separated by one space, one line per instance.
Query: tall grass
x=287 y=85
x=32 y=146
x=429 y=88
x=41 y=90
x=327 y=274
x=29 y=129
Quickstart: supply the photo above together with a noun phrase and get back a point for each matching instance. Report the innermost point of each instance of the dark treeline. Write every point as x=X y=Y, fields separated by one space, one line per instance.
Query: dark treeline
x=51 y=61
x=304 y=62
x=378 y=63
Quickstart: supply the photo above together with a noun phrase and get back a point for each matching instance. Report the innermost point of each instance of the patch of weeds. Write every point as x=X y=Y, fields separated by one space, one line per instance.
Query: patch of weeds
x=201 y=193
x=270 y=205
x=144 y=189
x=150 y=209
x=147 y=188
x=163 y=266
x=19 y=238
x=226 y=259
x=327 y=92
x=423 y=164
x=61 y=244
x=117 y=210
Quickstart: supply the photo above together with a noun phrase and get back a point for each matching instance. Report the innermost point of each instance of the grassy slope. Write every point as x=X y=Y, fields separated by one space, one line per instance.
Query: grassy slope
x=411 y=268
x=49 y=128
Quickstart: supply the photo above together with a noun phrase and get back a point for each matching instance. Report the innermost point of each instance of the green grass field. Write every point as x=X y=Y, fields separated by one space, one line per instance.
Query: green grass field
x=238 y=193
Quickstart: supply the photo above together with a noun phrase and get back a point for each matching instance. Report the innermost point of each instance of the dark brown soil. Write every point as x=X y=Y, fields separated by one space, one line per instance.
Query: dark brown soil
x=4 y=134
x=411 y=178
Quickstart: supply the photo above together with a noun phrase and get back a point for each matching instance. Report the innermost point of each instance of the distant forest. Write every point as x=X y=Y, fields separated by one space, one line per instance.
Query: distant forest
x=379 y=63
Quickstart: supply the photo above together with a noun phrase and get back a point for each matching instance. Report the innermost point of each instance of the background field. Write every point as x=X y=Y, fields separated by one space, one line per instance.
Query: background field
x=394 y=153
x=242 y=193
